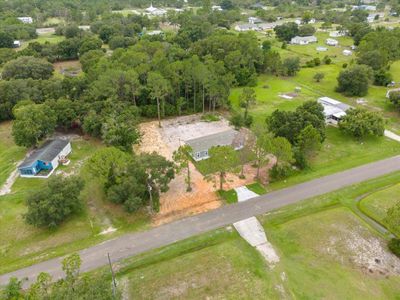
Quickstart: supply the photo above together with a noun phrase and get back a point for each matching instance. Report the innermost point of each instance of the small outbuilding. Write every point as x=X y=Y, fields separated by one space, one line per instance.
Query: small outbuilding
x=202 y=145
x=347 y=52
x=44 y=160
x=331 y=42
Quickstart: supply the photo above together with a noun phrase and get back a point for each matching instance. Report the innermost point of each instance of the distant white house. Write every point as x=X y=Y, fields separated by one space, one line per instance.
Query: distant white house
x=374 y=17
x=303 y=40
x=347 y=52
x=331 y=42
x=254 y=20
x=84 y=27
x=17 y=44
x=312 y=21
x=298 y=21
x=255 y=27
x=154 y=32
x=364 y=7
x=334 y=110
x=26 y=20
x=154 y=11
x=266 y=26
x=216 y=8
x=247 y=27
x=337 y=33
x=322 y=49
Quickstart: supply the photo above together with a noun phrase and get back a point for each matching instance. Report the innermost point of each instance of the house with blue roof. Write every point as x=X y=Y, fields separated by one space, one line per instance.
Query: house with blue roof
x=44 y=160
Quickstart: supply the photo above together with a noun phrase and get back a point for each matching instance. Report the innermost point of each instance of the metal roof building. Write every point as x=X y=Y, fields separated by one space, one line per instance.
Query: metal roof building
x=202 y=144
x=45 y=158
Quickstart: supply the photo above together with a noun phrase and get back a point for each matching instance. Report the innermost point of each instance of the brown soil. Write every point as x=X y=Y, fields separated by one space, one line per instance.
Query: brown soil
x=177 y=203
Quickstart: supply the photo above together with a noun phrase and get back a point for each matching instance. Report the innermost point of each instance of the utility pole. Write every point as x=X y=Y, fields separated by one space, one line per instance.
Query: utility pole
x=114 y=285
x=149 y=187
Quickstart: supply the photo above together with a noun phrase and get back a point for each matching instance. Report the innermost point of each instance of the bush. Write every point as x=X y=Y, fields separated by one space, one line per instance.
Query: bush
x=361 y=123
x=394 y=246
x=344 y=66
x=394 y=97
x=51 y=205
x=327 y=60
x=354 y=81
x=27 y=67
x=280 y=171
x=300 y=158
x=237 y=120
x=291 y=66
x=382 y=78
x=210 y=118
x=319 y=76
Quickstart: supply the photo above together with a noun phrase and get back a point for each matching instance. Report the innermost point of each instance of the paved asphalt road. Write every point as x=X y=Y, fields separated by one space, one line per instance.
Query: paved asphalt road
x=135 y=243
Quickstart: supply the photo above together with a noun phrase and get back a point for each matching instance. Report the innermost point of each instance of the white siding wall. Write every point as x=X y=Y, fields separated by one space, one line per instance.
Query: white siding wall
x=67 y=150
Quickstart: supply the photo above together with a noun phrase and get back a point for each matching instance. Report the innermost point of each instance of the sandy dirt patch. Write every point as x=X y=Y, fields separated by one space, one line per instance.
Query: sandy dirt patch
x=177 y=203
x=367 y=252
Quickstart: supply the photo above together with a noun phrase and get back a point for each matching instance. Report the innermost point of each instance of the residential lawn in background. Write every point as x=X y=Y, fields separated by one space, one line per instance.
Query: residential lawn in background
x=340 y=152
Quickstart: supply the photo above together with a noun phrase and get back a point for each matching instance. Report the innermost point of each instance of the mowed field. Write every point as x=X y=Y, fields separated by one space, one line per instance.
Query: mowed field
x=325 y=250
x=377 y=204
x=10 y=154
x=375 y=99
x=22 y=244
x=339 y=151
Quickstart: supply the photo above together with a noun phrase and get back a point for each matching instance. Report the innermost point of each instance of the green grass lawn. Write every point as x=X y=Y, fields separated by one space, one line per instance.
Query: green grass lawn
x=320 y=257
x=10 y=154
x=318 y=241
x=229 y=196
x=257 y=188
x=340 y=152
x=50 y=38
x=377 y=204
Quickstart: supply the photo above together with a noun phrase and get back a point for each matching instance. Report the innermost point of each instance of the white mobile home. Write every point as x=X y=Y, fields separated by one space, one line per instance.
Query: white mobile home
x=303 y=40
x=334 y=110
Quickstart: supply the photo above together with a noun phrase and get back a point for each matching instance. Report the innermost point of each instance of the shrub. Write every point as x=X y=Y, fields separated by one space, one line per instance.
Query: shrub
x=327 y=60
x=354 y=81
x=51 y=205
x=280 y=171
x=319 y=76
x=394 y=246
x=361 y=123
x=382 y=78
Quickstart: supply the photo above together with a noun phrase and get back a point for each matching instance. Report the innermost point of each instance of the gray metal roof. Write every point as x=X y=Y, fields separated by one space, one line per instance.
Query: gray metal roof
x=47 y=152
x=203 y=143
